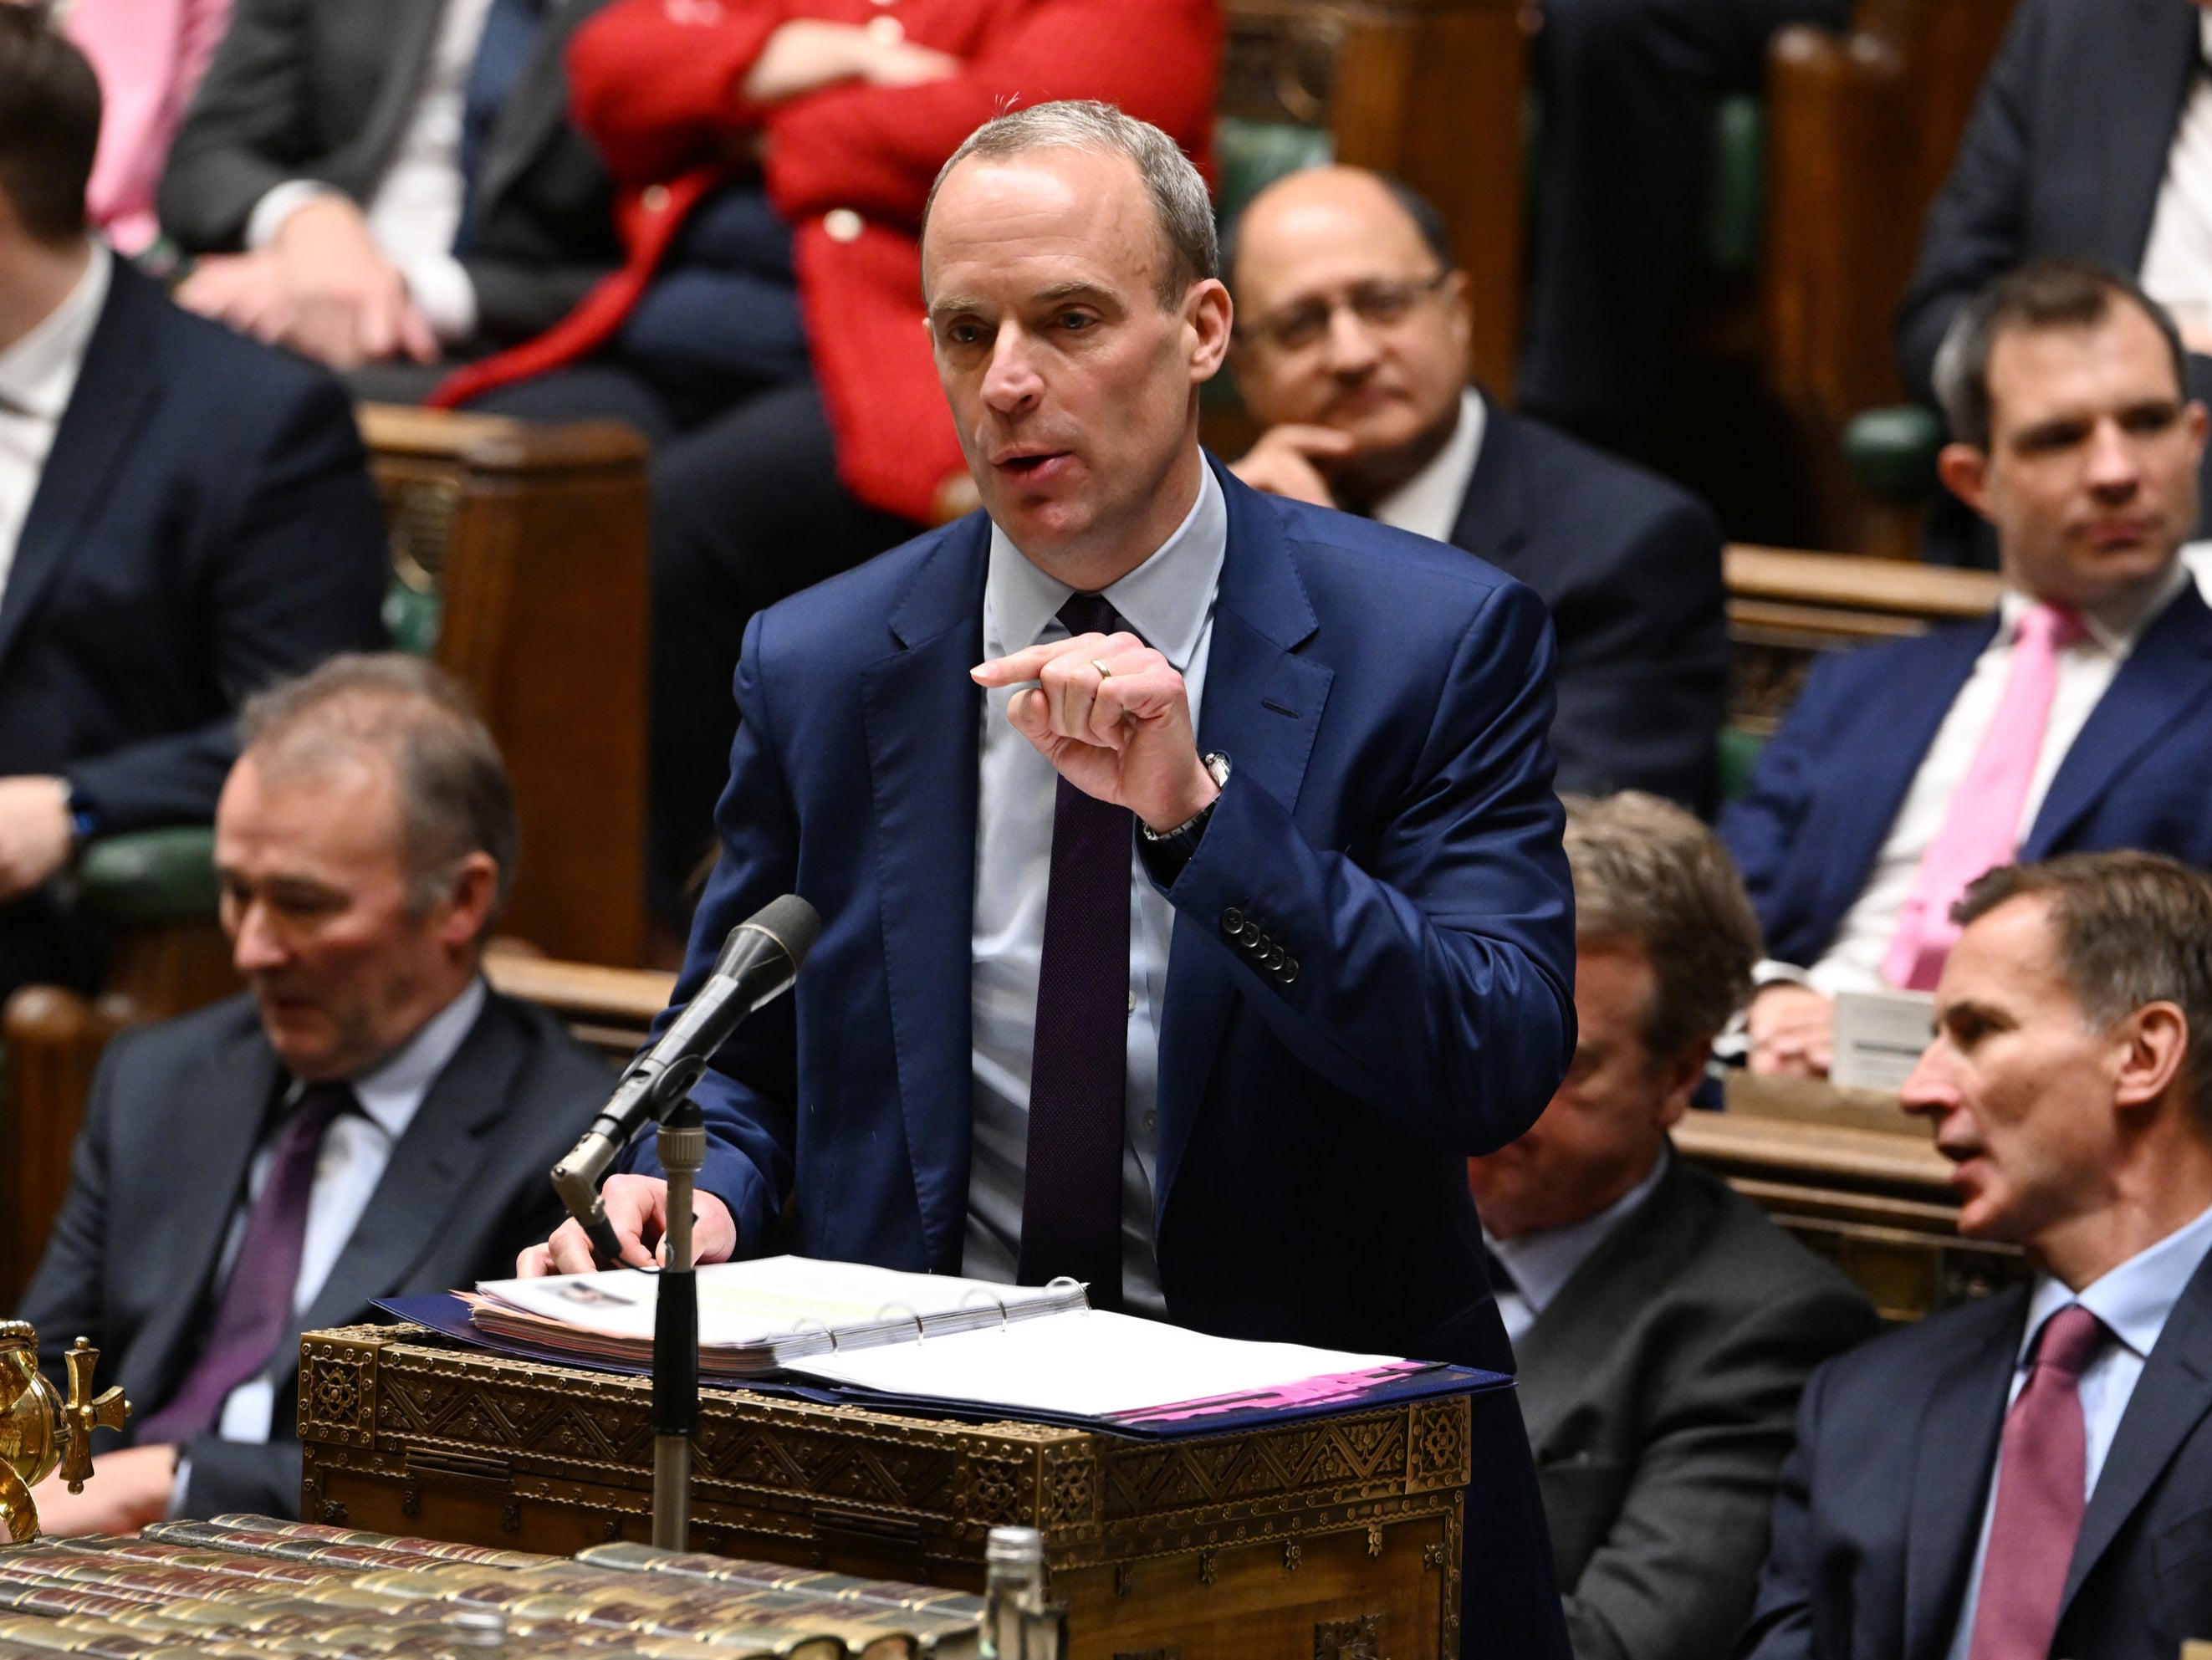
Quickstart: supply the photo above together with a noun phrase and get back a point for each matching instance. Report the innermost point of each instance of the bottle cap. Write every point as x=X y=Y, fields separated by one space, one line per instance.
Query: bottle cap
x=1014 y=1545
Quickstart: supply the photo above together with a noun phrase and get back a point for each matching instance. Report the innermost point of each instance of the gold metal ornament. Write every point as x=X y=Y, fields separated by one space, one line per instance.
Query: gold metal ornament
x=39 y=1430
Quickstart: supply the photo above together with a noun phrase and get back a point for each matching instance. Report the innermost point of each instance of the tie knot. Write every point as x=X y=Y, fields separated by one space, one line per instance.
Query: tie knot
x=2069 y=1339
x=317 y=1107
x=2050 y=628
x=1089 y=613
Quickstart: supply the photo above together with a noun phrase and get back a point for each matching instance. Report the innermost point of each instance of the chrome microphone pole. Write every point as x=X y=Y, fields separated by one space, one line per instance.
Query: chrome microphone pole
x=681 y=1144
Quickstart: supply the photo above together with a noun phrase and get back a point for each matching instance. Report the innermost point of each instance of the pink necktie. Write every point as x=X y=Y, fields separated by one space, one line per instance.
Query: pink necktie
x=2042 y=1493
x=1981 y=827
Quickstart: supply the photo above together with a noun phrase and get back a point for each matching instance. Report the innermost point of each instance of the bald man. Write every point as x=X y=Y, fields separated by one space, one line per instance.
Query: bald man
x=1350 y=348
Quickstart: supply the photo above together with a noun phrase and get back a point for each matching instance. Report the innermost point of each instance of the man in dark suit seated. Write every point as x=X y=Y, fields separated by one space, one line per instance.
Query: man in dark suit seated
x=373 y=1120
x=1352 y=349
x=1664 y=1326
x=389 y=185
x=2078 y=717
x=1188 y=861
x=184 y=516
x=2028 y=1474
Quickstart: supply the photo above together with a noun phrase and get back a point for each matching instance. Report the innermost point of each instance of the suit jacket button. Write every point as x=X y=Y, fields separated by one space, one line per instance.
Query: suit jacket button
x=1290 y=970
x=842 y=225
x=1276 y=957
x=1232 y=923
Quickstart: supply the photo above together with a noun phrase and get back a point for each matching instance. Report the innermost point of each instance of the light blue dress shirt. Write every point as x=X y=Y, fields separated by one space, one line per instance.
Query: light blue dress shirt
x=2133 y=1300
x=1169 y=601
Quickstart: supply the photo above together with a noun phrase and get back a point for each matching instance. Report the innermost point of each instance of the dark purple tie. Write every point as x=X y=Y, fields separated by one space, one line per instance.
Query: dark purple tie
x=255 y=1309
x=2042 y=1492
x=1072 y=1189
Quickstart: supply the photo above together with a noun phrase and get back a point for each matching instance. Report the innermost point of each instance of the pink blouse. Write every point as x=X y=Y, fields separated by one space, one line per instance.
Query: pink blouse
x=150 y=55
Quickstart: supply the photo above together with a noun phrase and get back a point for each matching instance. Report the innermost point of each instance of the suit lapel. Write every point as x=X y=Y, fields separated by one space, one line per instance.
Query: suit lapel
x=2170 y=1399
x=2162 y=50
x=1632 y=1268
x=1913 y=703
x=1959 y=1426
x=1493 y=518
x=219 y=1121
x=118 y=386
x=1262 y=706
x=421 y=1187
x=411 y=26
x=539 y=104
x=923 y=715
x=2165 y=680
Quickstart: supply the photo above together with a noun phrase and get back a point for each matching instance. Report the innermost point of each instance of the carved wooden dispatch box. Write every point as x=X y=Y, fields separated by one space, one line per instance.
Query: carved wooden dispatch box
x=1337 y=1538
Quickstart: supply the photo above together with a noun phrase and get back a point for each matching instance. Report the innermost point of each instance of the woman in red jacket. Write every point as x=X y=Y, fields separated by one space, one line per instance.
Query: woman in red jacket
x=773 y=157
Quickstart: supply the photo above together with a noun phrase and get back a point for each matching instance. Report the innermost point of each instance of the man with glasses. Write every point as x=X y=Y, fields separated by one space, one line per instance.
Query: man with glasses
x=1351 y=349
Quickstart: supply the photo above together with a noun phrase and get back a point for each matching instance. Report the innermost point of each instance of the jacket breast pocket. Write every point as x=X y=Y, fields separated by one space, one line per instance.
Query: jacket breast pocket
x=1582 y=1497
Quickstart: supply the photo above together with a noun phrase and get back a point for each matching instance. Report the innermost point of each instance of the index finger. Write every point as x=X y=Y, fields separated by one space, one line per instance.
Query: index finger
x=1024 y=665
x=1314 y=440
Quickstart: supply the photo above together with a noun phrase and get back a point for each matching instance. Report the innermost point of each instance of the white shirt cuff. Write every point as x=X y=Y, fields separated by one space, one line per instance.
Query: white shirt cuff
x=278 y=205
x=444 y=294
x=1772 y=973
x=174 y=1509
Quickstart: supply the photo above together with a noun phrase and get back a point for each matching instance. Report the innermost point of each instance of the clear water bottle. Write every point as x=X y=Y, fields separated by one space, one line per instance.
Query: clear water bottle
x=1017 y=1624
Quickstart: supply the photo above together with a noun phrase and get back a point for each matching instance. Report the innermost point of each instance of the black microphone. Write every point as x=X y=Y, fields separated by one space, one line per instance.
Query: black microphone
x=759 y=961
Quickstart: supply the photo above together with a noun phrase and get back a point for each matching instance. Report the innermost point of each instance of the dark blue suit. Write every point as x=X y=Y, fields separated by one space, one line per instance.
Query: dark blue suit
x=205 y=524
x=1629 y=566
x=1807 y=832
x=1389 y=820
x=1882 y=1503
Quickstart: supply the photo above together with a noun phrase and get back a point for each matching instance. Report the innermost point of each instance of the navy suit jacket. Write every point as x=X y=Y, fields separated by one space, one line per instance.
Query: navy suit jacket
x=1389 y=820
x=205 y=524
x=2063 y=155
x=1629 y=565
x=1882 y=1503
x=1806 y=832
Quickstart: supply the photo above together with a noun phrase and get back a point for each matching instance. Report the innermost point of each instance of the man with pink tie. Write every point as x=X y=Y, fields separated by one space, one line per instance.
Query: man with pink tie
x=2078 y=717
x=2027 y=1476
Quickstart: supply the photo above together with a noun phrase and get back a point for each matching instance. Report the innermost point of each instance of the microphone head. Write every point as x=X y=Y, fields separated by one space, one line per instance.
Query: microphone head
x=793 y=921
x=790 y=921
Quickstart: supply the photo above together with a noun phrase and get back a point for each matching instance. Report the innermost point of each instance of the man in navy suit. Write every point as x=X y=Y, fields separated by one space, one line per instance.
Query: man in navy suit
x=2027 y=1476
x=1190 y=941
x=2073 y=438
x=1351 y=350
x=183 y=516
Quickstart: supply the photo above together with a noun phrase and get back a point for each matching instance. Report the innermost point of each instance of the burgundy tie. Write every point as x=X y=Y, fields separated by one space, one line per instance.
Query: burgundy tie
x=257 y=1304
x=2042 y=1490
x=1072 y=1188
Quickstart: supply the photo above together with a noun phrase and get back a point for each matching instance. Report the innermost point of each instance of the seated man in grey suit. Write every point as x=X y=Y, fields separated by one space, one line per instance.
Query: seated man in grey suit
x=1351 y=348
x=371 y=1120
x=390 y=185
x=1663 y=1325
x=2031 y=1474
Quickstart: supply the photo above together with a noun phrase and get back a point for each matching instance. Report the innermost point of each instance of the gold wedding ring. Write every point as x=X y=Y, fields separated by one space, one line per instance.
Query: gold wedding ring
x=1104 y=673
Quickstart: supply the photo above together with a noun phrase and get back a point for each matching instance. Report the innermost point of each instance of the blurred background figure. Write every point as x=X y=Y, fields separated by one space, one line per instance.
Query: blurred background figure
x=385 y=188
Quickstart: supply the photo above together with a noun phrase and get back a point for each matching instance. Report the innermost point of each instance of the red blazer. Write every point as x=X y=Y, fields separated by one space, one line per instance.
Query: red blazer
x=654 y=82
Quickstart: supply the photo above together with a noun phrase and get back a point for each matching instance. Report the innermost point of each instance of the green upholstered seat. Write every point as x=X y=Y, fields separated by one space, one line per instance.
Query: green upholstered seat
x=1740 y=750
x=1892 y=452
x=1736 y=203
x=411 y=618
x=150 y=877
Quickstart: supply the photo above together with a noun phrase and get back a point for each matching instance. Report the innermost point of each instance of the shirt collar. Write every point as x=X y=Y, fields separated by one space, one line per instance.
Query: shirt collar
x=1428 y=503
x=391 y=1093
x=2134 y=1300
x=1542 y=1262
x=1167 y=599
x=39 y=372
x=2118 y=623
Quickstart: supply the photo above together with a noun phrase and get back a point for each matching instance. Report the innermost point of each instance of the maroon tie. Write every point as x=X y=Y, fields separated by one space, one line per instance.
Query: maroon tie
x=2042 y=1481
x=257 y=1304
x=1072 y=1186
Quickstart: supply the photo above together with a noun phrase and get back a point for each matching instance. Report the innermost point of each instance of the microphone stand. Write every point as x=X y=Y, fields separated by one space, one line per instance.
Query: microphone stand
x=675 y=1330
x=681 y=1144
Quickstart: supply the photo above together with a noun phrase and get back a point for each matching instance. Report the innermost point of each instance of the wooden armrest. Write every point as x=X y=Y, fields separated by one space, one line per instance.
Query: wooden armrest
x=495 y=443
x=1851 y=582
x=1841 y=1155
